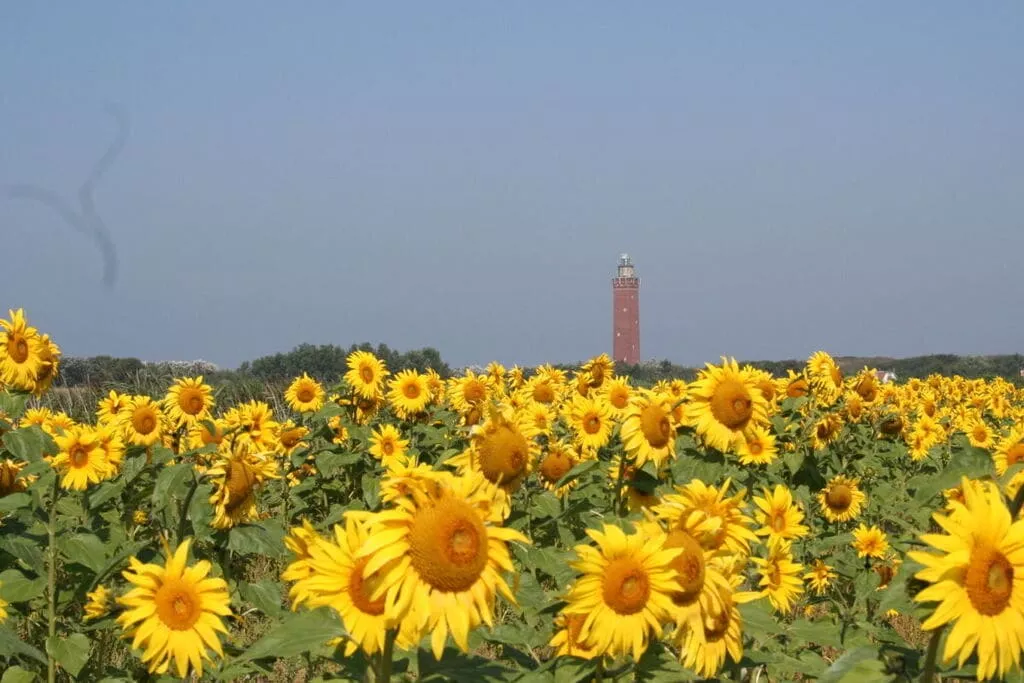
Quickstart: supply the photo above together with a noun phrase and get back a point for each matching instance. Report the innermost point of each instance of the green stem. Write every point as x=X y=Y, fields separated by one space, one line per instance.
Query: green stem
x=618 y=485
x=928 y=674
x=51 y=580
x=384 y=673
x=1018 y=500
x=599 y=671
x=185 y=506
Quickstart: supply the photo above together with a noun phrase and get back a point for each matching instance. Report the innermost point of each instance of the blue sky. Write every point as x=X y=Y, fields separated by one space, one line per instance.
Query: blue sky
x=787 y=176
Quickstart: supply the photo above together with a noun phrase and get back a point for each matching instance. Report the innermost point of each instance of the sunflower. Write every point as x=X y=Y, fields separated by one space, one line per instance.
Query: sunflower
x=598 y=369
x=290 y=438
x=780 y=576
x=853 y=407
x=978 y=581
x=335 y=579
x=21 y=358
x=757 y=447
x=826 y=430
x=543 y=389
x=173 y=612
x=731 y=527
x=81 y=459
x=142 y=421
x=468 y=391
x=387 y=442
x=408 y=393
x=205 y=433
x=796 y=386
x=648 y=434
x=842 y=500
x=402 y=474
x=820 y=577
x=557 y=462
x=540 y=416
x=723 y=402
x=299 y=541
x=567 y=641
x=11 y=479
x=779 y=516
x=979 y=433
x=39 y=417
x=253 y=426
x=366 y=373
x=99 y=603
x=441 y=551
x=637 y=497
x=236 y=476
x=49 y=354
x=826 y=378
x=865 y=385
x=618 y=394
x=188 y=401
x=869 y=541
x=591 y=420
x=625 y=589
x=503 y=449
x=110 y=406
x=704 y=649
x=305 y=395
x=112 y=444
x=1009 y=451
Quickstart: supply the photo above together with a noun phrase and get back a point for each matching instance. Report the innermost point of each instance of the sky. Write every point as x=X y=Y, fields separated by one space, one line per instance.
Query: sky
x=786 y=176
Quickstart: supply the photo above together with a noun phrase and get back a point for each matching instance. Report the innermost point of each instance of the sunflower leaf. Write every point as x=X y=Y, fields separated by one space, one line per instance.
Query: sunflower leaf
x=85 y=549
x=29 y=443
x=14 y=587
x=296 y=634
x=857 y=665
x=71 y=652
x=169 y=482
x=25 y=549
x=16 y=674
x=10 y=644
x=14 y=501
x=577 y=472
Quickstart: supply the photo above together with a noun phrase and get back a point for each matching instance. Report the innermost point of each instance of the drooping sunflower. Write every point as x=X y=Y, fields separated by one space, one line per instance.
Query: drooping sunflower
x=826 y=378
x=826 y=430
x=20 y=352
x=366 y=373
x=757 y=447
x=779 y=515
x=408 y=393
x=336 y=579
x=173 y=612
x=624 y=591
x=556 y=462
x=142 y=421
x=720 y=634
x=110 y=406
x=49 y=355
x=820 y=577
x=82 y=459
x=386 y=442
x=305 y=394
x=842 y=500
x=853 y=407
x=591 y=421
x=236 y=476
x=502 y=449
x=723 y=402
x=188 y=400
x=869 y=541
x=978 y=581
x=648 y=433
x=780 y=576
x=445 y=550
x=290 y=438
x=599 y=369
x=11 y=478
x=796 y=386
x=99 y=603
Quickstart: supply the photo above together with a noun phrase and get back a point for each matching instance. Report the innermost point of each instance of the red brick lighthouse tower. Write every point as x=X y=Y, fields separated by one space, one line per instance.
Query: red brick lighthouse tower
x=626 y=313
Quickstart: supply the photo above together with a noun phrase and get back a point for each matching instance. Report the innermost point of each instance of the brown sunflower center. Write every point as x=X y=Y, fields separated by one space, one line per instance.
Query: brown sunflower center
x=839 y=497
x=731 y=404
x=543 y=393
x=387 y=446
x=980 y=433
x=989 y=580
x=892 y=425
x=1014 y=454
x=689 y=565
x=716 y=627
x=144 y=421
x=837 y=376
x=591 y=423
x=178 y=604
x=555 y=465
x=755 y=447
x=306 y=393
x=448 y=545
x=241 y=480
x=655 y=425
x=626 y=587
x=619 y=398
x=366 y=374
x=797 y=388
x=290 y=437
x=779 y=521
x=767 y=389
x=78 y=456
x=474 y=391
x=411 y=390
x=503 y=454
x=361 y=590
x=17 y=349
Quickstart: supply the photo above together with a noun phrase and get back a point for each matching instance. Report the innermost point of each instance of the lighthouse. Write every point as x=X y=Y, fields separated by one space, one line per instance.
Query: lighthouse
x=626 y=313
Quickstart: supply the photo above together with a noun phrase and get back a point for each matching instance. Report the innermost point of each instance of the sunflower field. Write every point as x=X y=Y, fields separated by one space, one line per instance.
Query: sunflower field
x=541 y=526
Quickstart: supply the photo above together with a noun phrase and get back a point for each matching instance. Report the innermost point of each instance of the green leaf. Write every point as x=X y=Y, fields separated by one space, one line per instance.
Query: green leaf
x=263 y=595
x=132 y=467
x=71 y=652
x=29 y=443
x=10 y=644
x=371 y=490
x=171 y=480
x=574 y=670
x=13 y=403
x=200 y=512
x=257 y=539
x=16 y=674
x=545 y=505
x=758 y=620
x=25 y=549
x=329 y=464
x=106 y=491
x=14 y=587
x=14 y=501
x=85 y=549
x=455 y=666
x=295 y=635
x=860 y=665
x=577 y=472
x=818 y=632
x=658 y=665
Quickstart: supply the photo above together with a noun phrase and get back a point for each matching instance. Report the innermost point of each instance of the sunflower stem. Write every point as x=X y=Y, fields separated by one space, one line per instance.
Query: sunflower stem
x=1018 y=500
x=599 y=671
x=618 y=485
x=384 y=674
x=183 y=520
x=51 y=580
x=928 y=674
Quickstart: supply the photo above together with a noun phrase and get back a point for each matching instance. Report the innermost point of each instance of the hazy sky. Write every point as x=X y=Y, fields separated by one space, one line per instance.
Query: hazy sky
x=787 y=176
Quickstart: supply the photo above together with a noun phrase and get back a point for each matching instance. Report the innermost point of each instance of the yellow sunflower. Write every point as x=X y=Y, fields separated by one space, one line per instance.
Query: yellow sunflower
x=1009 y=451
x=557 y=462
x=779 y=516
x=704 y=648
x=618 y=394
x=757 y=447
x=723 y=402
x=567 y=641
x=731 y=530
x=869 y=541
x=820 y=577
x=826 y=430
x=252 y=425
x=591 y=420
x=503 y=449
x=978 y=581
x=543 y=388
x=387 y=442
x=444 y=549
x=49 y=354
x=366 y=373
x=842 y=500
x=21 y=358
x=99 y=603
x=236 y=475
x=111 y=405
x=780 y=576
x=468 y=391
x=188 y=400
x=624 y=591
x=11 y=478
x=142 y=421
x=648 y=434
x=305 y=395
x=82 y=459
x=598 y=369
x=979 y=433
x=173 y=612
x=299 y=541
x=826 y=378
x=408 y=393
